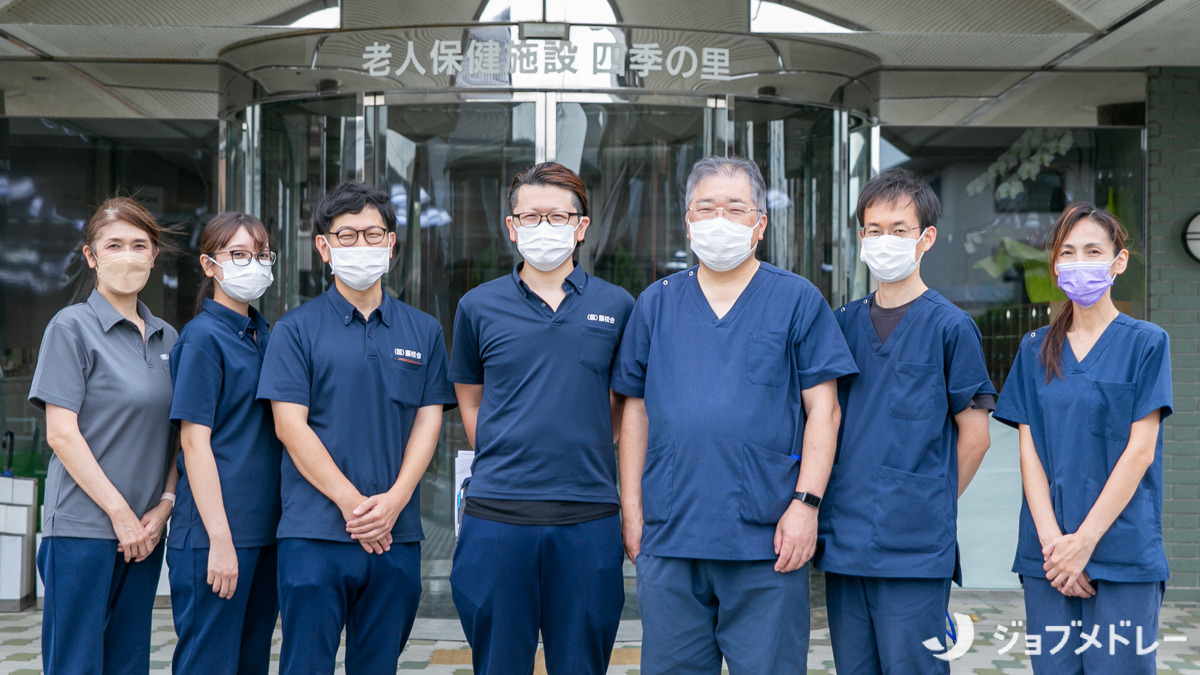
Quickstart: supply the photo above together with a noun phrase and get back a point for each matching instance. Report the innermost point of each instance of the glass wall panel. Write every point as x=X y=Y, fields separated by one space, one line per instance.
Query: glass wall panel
x=447 y=167
x=634 y=160
x=57 y=171
x=793 y=147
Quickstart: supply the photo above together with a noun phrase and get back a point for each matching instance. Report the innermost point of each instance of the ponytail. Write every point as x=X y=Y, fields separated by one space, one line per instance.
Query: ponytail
x=1052 y=346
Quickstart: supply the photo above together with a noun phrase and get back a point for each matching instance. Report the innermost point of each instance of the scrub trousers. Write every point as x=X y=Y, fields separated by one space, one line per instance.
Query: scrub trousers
x=325 y=586
x=97 y=607
x=223 y=635
x=510 y=581
x=696 y=612
x=1118 y=611
x=877 y=625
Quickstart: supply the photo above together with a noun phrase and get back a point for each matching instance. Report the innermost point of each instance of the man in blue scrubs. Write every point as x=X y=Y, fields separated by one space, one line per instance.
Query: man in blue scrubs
x=729 y=430
x=914 y=430
x=357 y=383
x=540 y=546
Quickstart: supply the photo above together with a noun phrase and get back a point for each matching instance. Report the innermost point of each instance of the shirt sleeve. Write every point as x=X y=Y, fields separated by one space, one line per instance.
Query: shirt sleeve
x=196 y=379
x=60 y=377
x=1153 y=386
x=286 y=373
x=1012 y=407
x=623 y=314
x=466 y=363
x=966 y=370
x=821 y=352
x=628 y=375
x=438 y=389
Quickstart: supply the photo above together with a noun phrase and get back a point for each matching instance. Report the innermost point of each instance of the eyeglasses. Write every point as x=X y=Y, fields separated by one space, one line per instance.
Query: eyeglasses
x=734 y=211
x=555 y=218
x=872 y=231
x=348 y=236
x=243 y=258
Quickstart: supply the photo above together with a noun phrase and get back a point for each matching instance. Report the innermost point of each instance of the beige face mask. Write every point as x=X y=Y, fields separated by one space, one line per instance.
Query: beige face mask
x=125 y=272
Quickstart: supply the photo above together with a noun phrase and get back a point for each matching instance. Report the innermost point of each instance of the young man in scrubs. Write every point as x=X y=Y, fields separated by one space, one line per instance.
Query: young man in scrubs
x=540 y=546
x=729 y=431
x=357 y=383
x=914 y=430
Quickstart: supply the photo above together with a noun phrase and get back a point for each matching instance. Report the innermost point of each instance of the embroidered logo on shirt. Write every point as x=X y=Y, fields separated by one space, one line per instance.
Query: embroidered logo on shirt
x=408 y=355
x=165 y=357
x=602 y=318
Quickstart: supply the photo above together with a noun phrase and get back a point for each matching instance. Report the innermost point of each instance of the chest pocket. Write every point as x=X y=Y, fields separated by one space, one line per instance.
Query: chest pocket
x=596 y=347
x=405 y=383
x=915 y=390
x=767 y=361
x=1110 y=410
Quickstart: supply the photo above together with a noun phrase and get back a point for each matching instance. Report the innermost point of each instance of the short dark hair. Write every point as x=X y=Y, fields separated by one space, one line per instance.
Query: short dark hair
x=552 y=174
x=353 y=196
x=897 y=185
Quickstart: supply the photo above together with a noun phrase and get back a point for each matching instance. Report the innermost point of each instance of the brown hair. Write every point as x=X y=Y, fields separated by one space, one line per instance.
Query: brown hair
x=554 y=175
x=123 y=209
x=217 y=234
x=1052 y=346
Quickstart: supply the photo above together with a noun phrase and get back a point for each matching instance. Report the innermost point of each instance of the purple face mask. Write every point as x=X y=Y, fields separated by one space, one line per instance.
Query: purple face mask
x=1085 y=282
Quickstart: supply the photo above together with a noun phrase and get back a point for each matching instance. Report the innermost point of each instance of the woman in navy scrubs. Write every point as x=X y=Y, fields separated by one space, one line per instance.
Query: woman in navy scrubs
x=221 y=553
x=103 y=380
x=1088 y=394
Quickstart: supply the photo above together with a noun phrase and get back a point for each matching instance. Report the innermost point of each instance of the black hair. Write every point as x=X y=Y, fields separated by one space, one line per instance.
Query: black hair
x=353 y=196
x=900 y=185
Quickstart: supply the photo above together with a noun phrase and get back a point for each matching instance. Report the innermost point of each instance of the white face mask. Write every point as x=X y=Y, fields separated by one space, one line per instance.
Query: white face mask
x=545 y=246
x=890 y=258
x=244 y=283
x=358 y=266
x=722 y=244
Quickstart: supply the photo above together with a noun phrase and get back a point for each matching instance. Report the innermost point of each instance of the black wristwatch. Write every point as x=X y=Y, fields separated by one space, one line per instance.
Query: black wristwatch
x=808 y=498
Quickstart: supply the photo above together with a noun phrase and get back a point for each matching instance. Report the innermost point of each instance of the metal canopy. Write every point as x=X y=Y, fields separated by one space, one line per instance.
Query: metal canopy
x=1006 y=62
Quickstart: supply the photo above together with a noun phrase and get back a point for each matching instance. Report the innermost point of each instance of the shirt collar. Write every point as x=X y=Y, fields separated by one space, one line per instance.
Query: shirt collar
x=109 y=316
x=234 y=320
x=346 y=311
x=577 y=279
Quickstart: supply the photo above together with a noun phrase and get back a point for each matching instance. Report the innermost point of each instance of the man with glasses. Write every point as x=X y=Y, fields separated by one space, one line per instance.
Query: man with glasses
x=540 y=545
x=357 y=383
x=730 y=369
x=914 y=431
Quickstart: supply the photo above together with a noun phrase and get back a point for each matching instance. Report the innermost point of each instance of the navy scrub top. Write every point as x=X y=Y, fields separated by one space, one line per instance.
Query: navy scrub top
x=1080 y=424
x=723 y=400
x=215 y=367
x=362 y=381
x=545 y=421
x=94 y=362
x=891 y=507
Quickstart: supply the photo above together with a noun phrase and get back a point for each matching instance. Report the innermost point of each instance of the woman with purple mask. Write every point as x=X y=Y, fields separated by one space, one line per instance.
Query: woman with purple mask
x=1089 y=394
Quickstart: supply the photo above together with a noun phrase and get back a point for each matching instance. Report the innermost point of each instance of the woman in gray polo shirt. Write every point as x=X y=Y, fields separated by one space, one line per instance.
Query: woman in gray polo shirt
x=104 y=381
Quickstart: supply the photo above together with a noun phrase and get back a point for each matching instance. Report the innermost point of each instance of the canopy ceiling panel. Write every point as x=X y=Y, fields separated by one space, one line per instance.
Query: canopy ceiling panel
x=942 y=83
x=143 y=13
x=132 y=42
x=949 y=16
x=1167 y=35
x=961 y=50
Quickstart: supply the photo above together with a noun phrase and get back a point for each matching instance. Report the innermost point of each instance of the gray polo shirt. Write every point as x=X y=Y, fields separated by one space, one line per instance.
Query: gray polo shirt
x=93 y=361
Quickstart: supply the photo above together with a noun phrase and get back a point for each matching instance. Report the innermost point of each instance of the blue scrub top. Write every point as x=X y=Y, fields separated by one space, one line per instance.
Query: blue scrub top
x=545 y=422
x=363 y=381
x=891 y=507
x=215 y=366
x=723 y=399
x=1080 y=424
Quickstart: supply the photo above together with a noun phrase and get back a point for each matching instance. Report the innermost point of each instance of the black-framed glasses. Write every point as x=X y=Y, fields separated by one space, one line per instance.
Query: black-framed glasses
x=243 y=258
x=872 y=231
x=734 y=211
x=555 y=218
x=348 y=236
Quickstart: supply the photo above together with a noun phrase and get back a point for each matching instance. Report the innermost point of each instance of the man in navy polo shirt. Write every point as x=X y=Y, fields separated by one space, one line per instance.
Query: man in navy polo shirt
x=540 y=546
x=357 y=383
x=730 y=369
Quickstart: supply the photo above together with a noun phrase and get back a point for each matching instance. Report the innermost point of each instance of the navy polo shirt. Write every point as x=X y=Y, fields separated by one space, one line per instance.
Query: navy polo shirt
x=723 y=401
x=363 y=380
x=215 y=367
x=545 y=421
